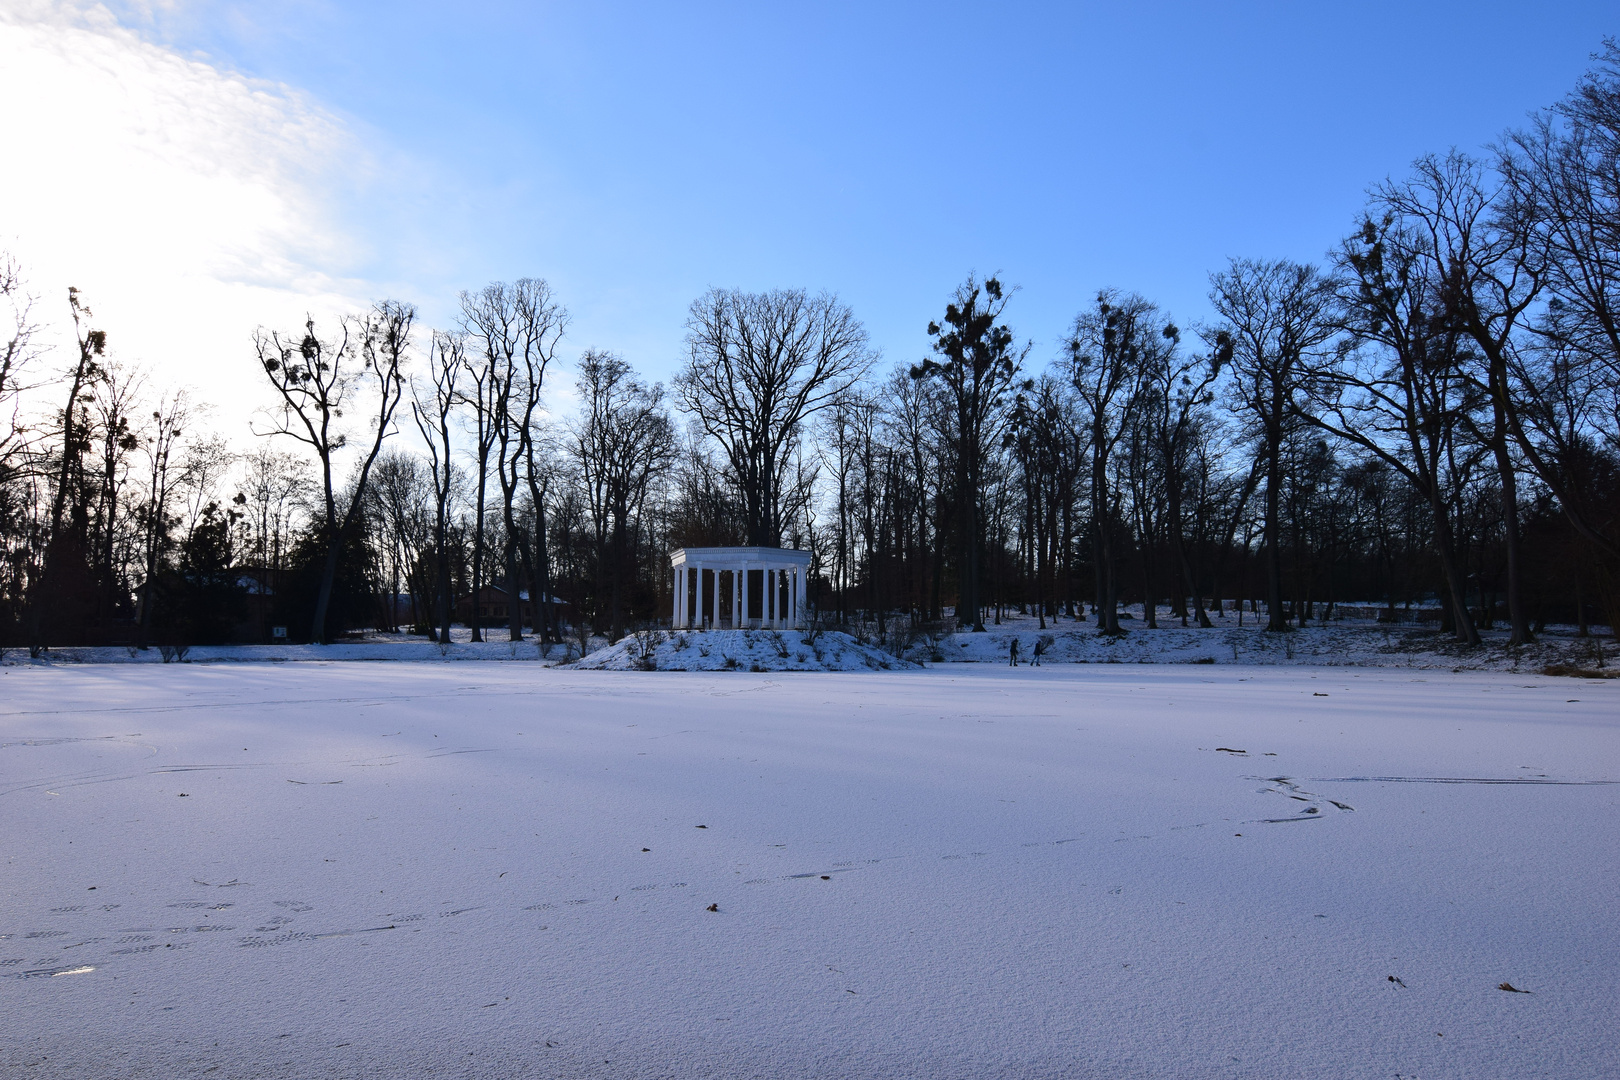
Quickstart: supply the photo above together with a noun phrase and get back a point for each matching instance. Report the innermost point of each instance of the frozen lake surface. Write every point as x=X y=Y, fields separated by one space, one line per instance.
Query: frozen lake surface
x=501 y=871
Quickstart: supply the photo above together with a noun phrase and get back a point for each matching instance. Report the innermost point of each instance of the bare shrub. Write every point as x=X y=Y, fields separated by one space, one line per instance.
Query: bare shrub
x=643 y=648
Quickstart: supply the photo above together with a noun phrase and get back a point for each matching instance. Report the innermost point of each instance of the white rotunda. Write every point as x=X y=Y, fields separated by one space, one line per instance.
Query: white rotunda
x=736 y=588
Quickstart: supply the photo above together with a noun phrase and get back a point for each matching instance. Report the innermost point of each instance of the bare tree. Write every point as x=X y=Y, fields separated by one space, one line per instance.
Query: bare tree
x=1179 y=394
x=622 y=439
x=19 y=349
x=432 y=409
x=112 y=400
x=518 y=328
x=275 y=488
x=206 y=461
x=1275 y=314
x=317 y=381
x=401 y=494
x=1487 y=281
x=275 y=485
x=1049 y=457
x=539 y=472
x=837 y=445
x=907 y=406
x=170 y=421
x=482 y=390
x=977 y=363
x=58 y=593
x=1565 y=210
x=1398 y=389
x=758 y=366
x=1112 y=350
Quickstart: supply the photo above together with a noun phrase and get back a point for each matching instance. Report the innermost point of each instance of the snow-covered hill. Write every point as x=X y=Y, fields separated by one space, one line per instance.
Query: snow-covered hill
x=740 y=650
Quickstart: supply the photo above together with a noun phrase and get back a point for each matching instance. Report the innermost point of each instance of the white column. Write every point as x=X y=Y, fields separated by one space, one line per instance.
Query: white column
x=700 y=608
x=714 y=602
x=798 y=596
x=674 y=599
x=747 y=573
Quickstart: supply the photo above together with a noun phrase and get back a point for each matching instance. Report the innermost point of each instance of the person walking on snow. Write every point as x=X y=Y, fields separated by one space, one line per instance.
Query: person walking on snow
x=1013 y=653
x=1037 y=661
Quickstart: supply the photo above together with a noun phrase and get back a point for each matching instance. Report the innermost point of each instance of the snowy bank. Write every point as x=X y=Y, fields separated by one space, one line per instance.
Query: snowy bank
x=394 y=647
x=1355 y=643
x=1348 y=642
x=740 y=650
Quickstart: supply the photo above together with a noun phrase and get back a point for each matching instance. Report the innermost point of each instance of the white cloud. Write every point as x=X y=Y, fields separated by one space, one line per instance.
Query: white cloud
x=188 y=203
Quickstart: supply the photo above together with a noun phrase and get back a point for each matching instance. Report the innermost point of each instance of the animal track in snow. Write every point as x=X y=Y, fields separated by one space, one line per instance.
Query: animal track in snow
x=1285 y=786
x=280 y=939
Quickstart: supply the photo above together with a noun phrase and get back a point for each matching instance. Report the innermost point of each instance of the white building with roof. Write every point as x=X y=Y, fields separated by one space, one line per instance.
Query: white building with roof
x=737 y=588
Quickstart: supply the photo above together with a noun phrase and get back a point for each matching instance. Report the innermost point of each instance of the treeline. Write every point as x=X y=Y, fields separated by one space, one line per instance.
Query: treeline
x=1430 y=415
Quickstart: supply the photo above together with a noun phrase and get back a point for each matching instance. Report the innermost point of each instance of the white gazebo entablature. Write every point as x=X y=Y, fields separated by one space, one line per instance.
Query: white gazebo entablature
x=737 y=588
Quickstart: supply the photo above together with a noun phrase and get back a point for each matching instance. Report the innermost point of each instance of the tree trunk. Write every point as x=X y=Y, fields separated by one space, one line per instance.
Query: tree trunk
x=1276 y=620
x=967 y=590
x=514 y=594
x=476 y=619
x=1150 y=605
x=1517 y=617
x=616 y=589
x=1462 y=621
x=323 y=599
x=1098 y=589
x=937 y=587
x=1178 y=545
x=1582 y=627
x=442 y=600
x=541 y=590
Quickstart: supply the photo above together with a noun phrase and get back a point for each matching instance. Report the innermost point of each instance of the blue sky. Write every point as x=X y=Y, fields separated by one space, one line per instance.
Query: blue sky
x=636 y=154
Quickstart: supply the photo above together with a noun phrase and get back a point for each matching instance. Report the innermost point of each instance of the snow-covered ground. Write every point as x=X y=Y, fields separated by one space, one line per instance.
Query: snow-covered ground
x=1344 y=642
x=741 y=650
x=357 y=870
x=373 y=647
x=1351 y=642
